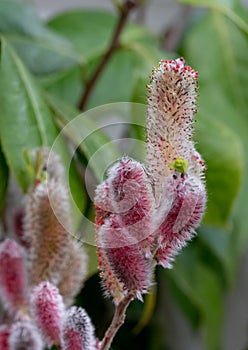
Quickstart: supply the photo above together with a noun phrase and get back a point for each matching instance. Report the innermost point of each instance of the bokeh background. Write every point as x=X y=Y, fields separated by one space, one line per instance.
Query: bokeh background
x=203 y=302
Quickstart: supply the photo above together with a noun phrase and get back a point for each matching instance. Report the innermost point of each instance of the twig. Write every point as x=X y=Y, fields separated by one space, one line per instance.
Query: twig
x=117 y=322
x=124 y=11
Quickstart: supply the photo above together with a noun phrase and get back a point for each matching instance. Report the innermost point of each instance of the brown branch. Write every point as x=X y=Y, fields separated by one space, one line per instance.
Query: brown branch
x=124 y=11
x=117 y=322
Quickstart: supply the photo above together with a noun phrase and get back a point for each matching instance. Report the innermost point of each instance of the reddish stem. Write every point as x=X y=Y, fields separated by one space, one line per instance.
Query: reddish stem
x=125 y=10
x=117 y=322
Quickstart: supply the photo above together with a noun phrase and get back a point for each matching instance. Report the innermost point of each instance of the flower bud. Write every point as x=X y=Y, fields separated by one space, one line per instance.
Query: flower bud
x=127 y=260
x=47 y=309
x=78 y=331
x=47 y=219
x=183 y=218
x=127 y=192
x=13 y=275
x=124 y=212
x=47 y=211
x=24 y=335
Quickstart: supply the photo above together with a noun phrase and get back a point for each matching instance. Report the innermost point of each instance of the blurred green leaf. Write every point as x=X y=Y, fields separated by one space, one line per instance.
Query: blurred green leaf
x=64 y=85
x=221 y=134
x=4 y=176
x=117 y=81
x=41 y=49
x=137 y=54
x=223 y=83
x=135 y=33
x=89 y=31
x=218 y=250
x=230 y=8
x=86 y=134
x=222 y=150
x=25 y=120
x=123 y=77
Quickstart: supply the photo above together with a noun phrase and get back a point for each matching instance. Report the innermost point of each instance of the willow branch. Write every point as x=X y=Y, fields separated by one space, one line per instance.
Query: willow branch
x=117 y=322
x=124 y=11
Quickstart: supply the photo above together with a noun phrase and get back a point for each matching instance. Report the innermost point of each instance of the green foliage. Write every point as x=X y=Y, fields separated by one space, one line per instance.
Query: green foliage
x=224 y=156
x=44 y=68
x=233 y=9
x=25 y=121
x=42 y=50
x=224 y=96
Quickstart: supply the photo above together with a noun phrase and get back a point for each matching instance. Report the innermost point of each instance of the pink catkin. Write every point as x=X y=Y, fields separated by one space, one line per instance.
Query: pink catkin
x=78 y=331
x=44 y=230
x=24 y=335
x=4 y=336
x=124 y=207
x=71 y=283
x=13 y=275
x=46 y=220
x=146 y=215
x=184 y=217
x=180 y=197
x=128 y=262
x=172 y=97
x=48 y=309
x=128 y=193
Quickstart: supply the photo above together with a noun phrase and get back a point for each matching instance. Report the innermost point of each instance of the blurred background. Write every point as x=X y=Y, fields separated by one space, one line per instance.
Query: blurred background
x=203 y=302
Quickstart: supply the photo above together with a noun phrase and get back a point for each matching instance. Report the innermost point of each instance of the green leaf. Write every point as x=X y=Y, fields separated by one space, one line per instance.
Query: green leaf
x=117 y=81
x=64 y=85
x=126 y=69
x=25 y=120
x=215 y=244
x=40 y=48
x=84 y=132
x=137 y=54
x=89 y=31
x=230 y=8
x=223 y=78
x=222 y=150
x=4 y=176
